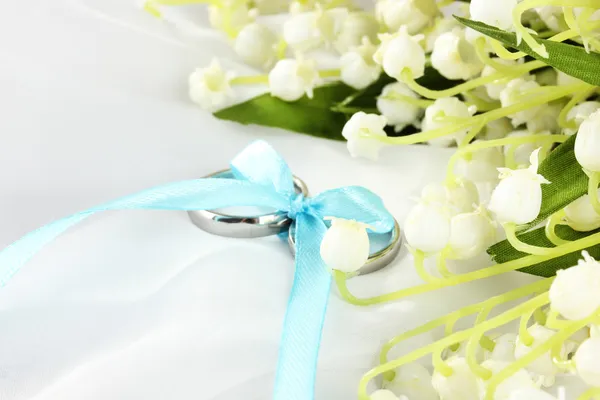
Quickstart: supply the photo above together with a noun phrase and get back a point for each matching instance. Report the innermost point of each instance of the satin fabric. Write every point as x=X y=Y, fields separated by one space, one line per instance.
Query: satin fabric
x=263 y=179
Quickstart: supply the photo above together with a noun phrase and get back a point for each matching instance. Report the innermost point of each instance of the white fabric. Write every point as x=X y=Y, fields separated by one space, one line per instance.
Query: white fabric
x=143 y=305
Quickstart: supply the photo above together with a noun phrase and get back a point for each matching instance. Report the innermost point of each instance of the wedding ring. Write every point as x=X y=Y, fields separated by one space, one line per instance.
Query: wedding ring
x=377 y=260
x=239 y=226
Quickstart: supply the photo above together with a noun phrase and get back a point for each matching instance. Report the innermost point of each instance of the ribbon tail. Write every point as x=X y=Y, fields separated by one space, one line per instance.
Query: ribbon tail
x=199 y=194
x=305 y=315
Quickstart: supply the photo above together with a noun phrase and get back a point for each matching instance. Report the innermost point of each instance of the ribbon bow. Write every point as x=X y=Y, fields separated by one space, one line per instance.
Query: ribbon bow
x=262 y=179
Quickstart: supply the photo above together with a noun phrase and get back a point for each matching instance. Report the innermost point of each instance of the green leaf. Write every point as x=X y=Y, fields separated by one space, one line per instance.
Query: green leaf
x=503 y=251
x=572 y=60
x=311 y=116
x=568 y=182
x=317 y=116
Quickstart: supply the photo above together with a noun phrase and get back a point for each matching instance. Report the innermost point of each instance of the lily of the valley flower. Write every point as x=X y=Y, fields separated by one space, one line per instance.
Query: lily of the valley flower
x=414 y=14
x=345 y=246
x=257 y=45
x=495 y=88
x=581 y=216
x=518 y=381
x=514 y=93
x=543 y=365
x=470 y=234
x=308 y=30
x=460 y=385
x=231 y=16
x=481 y=166
x=574 y=292
x=587 y=143
x=383 y=394
x=454 y=57
x=354 y=29
x=362 y=123
x=435 y=117
x=413 y=381
x=401 y=51
x=358 y=69
x=580 y=113
x=398 y=112
x=497 y=13
x=291 y=79
x=427 y=227
x=209 y=87
x=518 y=197
x=586 y=361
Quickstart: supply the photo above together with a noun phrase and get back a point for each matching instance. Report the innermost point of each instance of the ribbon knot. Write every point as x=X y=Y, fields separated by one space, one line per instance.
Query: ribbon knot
x=298 y=204
x=262 y=178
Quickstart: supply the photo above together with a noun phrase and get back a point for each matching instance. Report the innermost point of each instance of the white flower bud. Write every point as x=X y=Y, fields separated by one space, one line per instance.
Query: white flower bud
x=580 y=113
x=546 y=119
x=209 y=87
x=522 y=152
x=230 y=16
x=308 y=30
x=481 y=166
x=454 y=57
x=358 y=124
x=413 y=381
x=458 y=198
x=517 y=381
x=358 y=68
x=581 y=216
x=470 y=234
x=427 y=227
x=291 y=79
x=398 y=112
x=257 y=45
x=586 y=361
x=518 y=196
x=354 y=29
x=574 y=292
x=383 y=394
x=515 y=93
x=434 y=119
x=497 y=13
x=497 y=129
x=553 y=17
x=530 y=394
x=587 y=143
x=300 y=32
x=542 y=365
x=401 y=51
x=345 y=246
x=414 y=14
x=495 y=88
x=442 y=25
x=504 y=350
x=461 y=385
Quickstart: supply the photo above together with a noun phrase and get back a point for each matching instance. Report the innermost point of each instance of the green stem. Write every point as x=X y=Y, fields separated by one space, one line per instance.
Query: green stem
x=590 y=394
x=250 y=80
x=498 y=269
x=471 y=135
x=492 y=323
x=550 y=229
x=577 y=97
x=421 y=103
x=329 y=73
x=559 y=92
x=511 y=236
x=407 y=78
x=450 y=319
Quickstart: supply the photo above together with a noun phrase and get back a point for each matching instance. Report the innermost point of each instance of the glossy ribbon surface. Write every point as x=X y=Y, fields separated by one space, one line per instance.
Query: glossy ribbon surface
x=263 y=179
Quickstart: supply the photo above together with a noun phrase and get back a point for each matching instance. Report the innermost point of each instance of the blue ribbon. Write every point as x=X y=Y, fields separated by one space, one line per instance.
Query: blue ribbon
x=263 y=179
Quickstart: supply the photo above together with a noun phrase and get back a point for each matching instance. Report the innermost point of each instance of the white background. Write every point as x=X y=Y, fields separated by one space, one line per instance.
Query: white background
x=142 y=305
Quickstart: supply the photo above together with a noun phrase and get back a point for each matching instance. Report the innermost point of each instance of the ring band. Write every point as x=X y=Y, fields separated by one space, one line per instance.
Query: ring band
x=239 y=226
x=377 y=260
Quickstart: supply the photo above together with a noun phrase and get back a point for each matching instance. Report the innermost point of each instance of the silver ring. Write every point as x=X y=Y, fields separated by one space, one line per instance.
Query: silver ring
x=377 y=260
x=239 y=226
